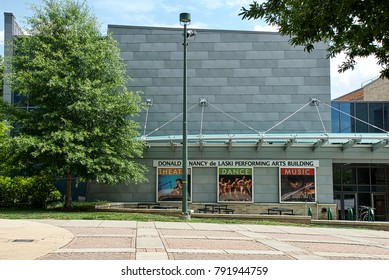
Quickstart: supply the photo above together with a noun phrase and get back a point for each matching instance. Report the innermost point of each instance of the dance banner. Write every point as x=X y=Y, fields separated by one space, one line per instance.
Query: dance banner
x=169 y=182
x=235 y=184
x=297 y=185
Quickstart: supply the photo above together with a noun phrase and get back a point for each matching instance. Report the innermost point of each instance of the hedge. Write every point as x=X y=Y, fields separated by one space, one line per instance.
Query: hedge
x=20 y=191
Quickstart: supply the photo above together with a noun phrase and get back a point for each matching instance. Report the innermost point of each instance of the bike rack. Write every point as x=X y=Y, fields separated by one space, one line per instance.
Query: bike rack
x=350 y=214
x=329 y=214
x=371 y=214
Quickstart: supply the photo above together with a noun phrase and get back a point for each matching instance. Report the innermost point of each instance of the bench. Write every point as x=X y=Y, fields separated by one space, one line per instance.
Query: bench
x=216 y=208
x=165 y=207
x=206 y=210
x=280 y=211
x=147 y=205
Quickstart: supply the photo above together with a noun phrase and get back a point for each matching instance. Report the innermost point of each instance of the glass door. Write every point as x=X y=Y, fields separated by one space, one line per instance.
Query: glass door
x=380 y=205
x=348 y=202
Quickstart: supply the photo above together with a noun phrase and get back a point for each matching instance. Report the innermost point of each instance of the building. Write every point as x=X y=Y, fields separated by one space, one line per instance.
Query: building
x=259 y=114
x=375 y=90
x=363 y=182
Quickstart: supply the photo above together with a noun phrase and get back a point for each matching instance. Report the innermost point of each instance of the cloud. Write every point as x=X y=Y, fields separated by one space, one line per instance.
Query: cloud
x=138 y=6
x=346 y=82
x=217 y=4
x=241 y=3
x=272 y=28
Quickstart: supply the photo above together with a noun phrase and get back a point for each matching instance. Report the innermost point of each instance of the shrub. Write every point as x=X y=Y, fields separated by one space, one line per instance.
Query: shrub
x=6 y=197
x=42 y=191
x=34 y=191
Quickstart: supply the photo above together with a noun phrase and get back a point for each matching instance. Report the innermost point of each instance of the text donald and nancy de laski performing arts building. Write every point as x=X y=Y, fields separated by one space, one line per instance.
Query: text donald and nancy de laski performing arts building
x=259 y=126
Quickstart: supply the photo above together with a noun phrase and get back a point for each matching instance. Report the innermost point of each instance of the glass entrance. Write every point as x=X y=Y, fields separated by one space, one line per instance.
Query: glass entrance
x=361 y=185
x=344 y=203
x=380 y=205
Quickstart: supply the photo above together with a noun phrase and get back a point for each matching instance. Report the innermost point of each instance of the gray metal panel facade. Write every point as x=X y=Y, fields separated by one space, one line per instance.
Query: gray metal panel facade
x=11 y=29
x=254 y=77
x=266 y=179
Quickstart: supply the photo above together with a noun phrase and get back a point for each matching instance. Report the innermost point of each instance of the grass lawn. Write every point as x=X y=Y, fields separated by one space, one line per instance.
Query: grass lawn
x=81 y=215
x=85 y=211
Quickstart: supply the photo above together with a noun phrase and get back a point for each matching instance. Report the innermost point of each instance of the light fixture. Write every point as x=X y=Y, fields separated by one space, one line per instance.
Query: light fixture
x=185 y=18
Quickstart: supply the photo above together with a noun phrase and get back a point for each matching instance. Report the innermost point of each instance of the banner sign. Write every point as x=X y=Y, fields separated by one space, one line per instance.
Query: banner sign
x=169 y=184
x=238 y=163
x=235 y=184
x=297 y=185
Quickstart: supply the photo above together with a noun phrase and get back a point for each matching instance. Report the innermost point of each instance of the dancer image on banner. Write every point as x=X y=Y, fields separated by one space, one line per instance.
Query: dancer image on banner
x=235 y=184
x=297 y=184
x=170 y=184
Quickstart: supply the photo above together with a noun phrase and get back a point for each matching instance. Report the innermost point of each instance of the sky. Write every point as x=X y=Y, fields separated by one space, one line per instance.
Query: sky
x=206 y=14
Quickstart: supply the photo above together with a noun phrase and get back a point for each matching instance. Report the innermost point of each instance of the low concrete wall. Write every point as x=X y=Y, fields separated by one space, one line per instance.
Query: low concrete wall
x=319 y=210
x=276 y=218
x=294 y=219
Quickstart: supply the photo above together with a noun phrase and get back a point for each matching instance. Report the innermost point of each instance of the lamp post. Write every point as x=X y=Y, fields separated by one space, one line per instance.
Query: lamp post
x=185 y=21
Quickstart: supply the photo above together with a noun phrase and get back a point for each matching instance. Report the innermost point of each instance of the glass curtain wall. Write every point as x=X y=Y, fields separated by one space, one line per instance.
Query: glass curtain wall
x=374 y=113
x=358 y=185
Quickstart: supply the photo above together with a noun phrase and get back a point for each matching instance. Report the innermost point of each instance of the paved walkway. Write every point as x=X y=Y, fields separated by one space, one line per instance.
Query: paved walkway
x=123 y=240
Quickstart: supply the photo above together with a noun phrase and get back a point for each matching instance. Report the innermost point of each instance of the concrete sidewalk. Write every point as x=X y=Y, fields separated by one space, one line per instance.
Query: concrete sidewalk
x=28 y=240
x=124 y=240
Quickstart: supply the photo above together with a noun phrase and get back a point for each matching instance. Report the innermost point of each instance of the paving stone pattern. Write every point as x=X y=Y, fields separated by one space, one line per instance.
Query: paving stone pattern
x=109 y=240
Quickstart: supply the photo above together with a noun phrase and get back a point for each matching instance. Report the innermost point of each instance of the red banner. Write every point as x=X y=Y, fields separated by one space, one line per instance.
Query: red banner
x=298 y=171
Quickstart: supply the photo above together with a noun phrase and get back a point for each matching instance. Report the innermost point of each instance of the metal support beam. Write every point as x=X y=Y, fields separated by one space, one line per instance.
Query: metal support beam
x=173 y=145
x=289 y=143
x=319 y=144
x=201 y=145
x=350 y=144
x=314 y=102
x=379 y=145
x=259 y=144
x=203 y=101
x=229 y=145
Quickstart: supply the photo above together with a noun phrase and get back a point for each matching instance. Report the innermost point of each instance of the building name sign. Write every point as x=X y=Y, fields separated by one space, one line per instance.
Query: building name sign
x=238 y=163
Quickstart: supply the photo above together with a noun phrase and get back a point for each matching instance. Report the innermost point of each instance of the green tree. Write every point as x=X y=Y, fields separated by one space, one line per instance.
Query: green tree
x=78 y=117
x=3 y=142
x=357 y=28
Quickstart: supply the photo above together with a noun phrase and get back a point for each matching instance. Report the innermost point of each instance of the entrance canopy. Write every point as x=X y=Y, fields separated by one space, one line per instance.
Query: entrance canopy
x=343 y=141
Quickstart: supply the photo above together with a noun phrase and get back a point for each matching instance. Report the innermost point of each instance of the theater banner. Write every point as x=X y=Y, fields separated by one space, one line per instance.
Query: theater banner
x=235 y=184
x=169 y=186
x=297 y=185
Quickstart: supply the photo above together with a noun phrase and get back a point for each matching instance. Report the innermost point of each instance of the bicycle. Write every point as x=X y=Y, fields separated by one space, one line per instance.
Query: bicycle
x=365 y=213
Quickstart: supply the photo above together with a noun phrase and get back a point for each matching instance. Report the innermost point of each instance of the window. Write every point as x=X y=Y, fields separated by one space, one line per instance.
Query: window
x=373 y=113
x=363 y=176
x=335 y=118
x=386 y=116
x=376 y=117
x=345 y=120
x=361 y=113
x=348 y=175
x=378 y=176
